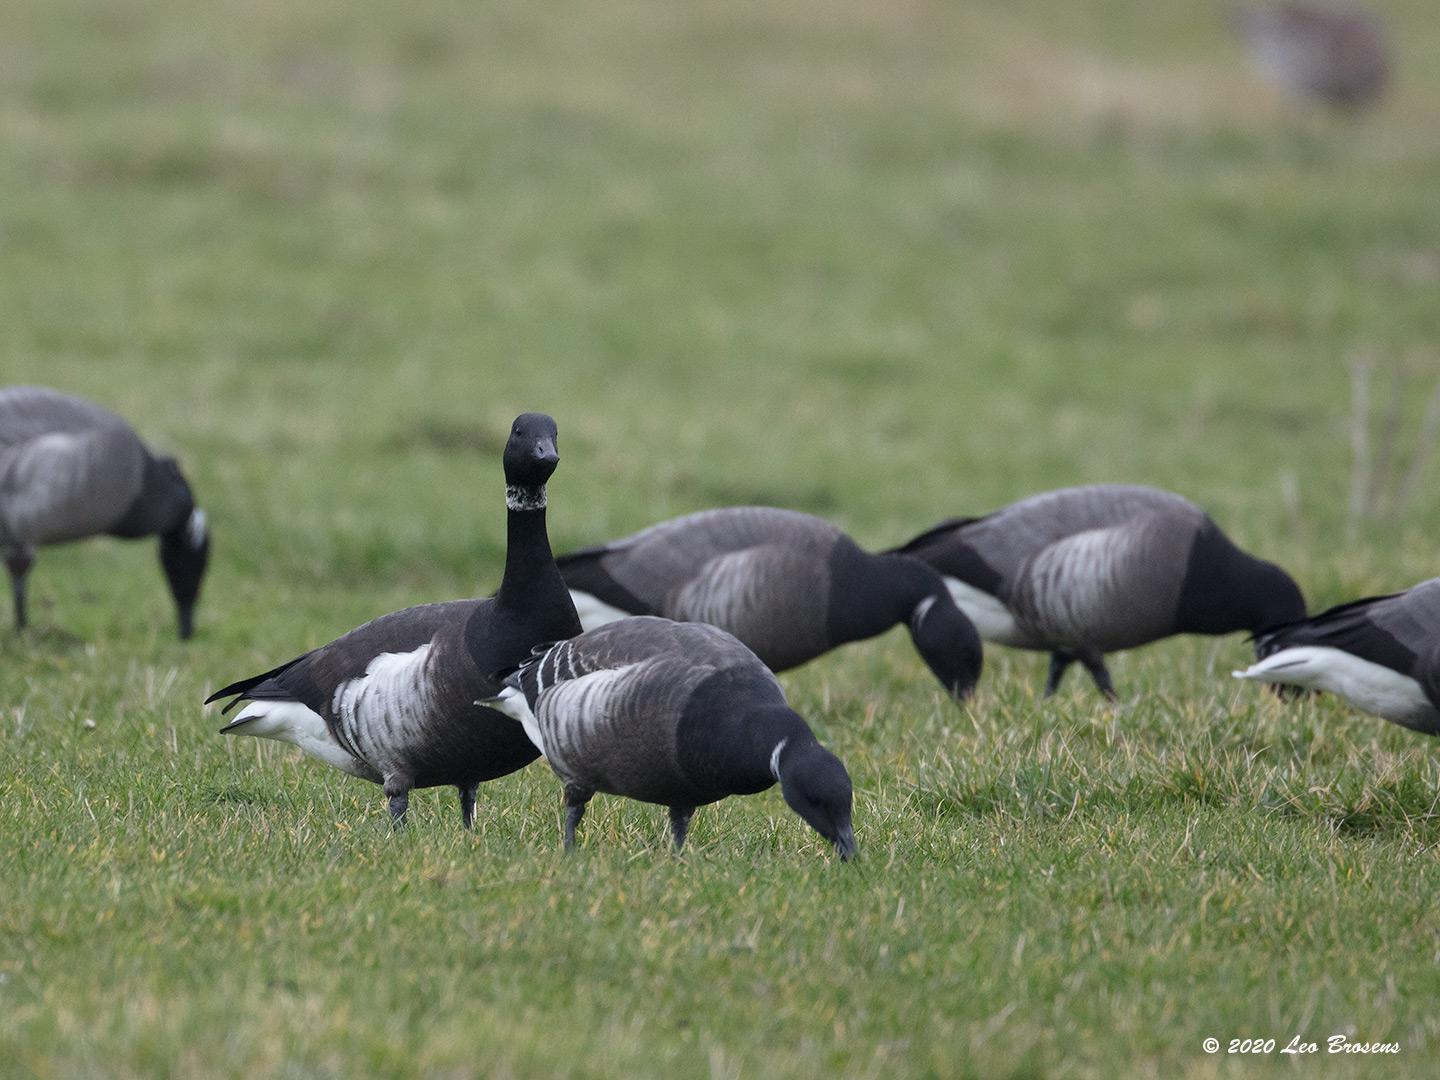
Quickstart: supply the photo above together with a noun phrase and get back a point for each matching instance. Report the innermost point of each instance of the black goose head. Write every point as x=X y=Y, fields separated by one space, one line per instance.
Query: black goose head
x=948 y=642
x=184 y=554
x=817 y=787
x=530 y=454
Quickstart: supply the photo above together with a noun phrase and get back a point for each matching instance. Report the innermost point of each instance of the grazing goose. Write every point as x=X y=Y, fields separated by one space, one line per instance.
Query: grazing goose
x=788 y=585
x=680 y=714
x=1381 y=654
x=1337 y=56
x=397 y=701
x=1085 y=571
x=71 y=469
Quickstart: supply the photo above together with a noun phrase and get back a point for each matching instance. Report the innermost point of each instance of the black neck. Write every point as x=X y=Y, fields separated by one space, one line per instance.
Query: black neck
x=871 y=593
x=769 y=727
x=1227 y=589
x=163 y=505
x=529 y=564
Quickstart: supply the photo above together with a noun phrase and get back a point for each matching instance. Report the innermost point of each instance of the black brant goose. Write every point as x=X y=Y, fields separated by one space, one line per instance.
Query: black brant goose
x=1338 y=56
x=397 y=701
x=71 y=469
x=1381 y=654
x=788 y=585
x=680 y=714
x=1085 y=571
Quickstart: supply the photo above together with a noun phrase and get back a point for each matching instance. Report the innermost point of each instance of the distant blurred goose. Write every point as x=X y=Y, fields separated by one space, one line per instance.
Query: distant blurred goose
x=1084 y=571
x=788 y=585
x=680 y=714
x=71 y=469
x=1381 y=654
x=397 y=701
x=1338 y=56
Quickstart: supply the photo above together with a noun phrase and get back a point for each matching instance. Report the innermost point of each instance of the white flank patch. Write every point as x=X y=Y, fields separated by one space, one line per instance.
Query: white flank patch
x=391 y=698
x=292 y=722
x=512 y=703
x=991 y=618
x=1370 y=687
x=775 y=757
x=593 y=612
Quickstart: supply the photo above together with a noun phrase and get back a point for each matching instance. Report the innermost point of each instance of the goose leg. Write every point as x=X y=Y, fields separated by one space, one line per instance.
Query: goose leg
x=1095 y=665
x=1059 y=664
x=397 y=789
x=680 y=823
x=18 y=561
x=575 y=800
x=467 y=805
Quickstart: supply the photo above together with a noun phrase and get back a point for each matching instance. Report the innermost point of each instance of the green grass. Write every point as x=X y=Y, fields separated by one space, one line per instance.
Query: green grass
x=883 y=262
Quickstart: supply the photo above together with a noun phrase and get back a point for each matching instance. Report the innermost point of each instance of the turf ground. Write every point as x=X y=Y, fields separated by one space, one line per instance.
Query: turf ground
x=883 y=262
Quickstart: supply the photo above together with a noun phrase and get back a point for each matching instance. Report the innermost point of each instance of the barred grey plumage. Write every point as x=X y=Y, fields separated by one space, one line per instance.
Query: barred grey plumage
x=1084 y=571
x=680 y=714
x=71 y=469
x=789 y=585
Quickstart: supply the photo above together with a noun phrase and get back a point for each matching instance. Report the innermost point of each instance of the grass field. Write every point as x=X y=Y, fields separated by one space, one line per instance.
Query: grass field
x=883 y=262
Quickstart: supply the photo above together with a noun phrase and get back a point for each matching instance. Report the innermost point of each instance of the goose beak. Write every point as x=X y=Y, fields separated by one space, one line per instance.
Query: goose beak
x=545 y=452
x=845 y=844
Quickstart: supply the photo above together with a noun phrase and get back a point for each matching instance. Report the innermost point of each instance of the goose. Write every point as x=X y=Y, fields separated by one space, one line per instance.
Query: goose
x=1085 y=571
x=680 y=714
x=1381 y=654
x=789 y=585
x=397 y=701
x=70 y=469
x=1338 y=56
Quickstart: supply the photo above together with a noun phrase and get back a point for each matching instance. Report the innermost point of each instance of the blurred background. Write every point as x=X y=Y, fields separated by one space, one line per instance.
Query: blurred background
x=885 y=261
x=882 y=262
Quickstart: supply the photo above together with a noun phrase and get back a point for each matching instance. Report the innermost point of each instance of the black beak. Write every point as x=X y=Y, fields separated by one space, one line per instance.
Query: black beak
x=545 y=452
x=845 y=844
x=187 y=621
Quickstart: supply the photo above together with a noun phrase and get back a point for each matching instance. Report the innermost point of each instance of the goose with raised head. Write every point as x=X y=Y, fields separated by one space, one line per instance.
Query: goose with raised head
x=398 y=700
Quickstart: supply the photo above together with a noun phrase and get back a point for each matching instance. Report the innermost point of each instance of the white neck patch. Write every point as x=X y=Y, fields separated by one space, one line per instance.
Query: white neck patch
x=524 y=497
x=775 y=757
x=921 y=610
x=196 y=529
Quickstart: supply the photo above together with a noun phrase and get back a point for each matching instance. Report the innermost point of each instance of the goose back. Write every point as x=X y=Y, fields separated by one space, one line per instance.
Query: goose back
x=622 y=709
x=762 y=574
x=68 y=468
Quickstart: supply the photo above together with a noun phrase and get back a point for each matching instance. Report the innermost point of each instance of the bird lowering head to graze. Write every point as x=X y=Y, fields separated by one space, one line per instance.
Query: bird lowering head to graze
x=680 y=714
x=1338 y=56
x=1381 y=654
x=398 y=701
x=71 y=469
x=788 y=585
x=1084 y=571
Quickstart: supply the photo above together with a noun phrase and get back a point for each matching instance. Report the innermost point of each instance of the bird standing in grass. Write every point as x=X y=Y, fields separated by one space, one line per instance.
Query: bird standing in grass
x=1085 y=571
x=1381 y=654
x=788 y=585
x=71 y=469
x=680 y=714
x=398 y=700
x=1337 y=56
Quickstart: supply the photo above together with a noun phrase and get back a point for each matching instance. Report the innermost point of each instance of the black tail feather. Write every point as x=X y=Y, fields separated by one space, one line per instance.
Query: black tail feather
x=244 y=686
x=934 y=532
